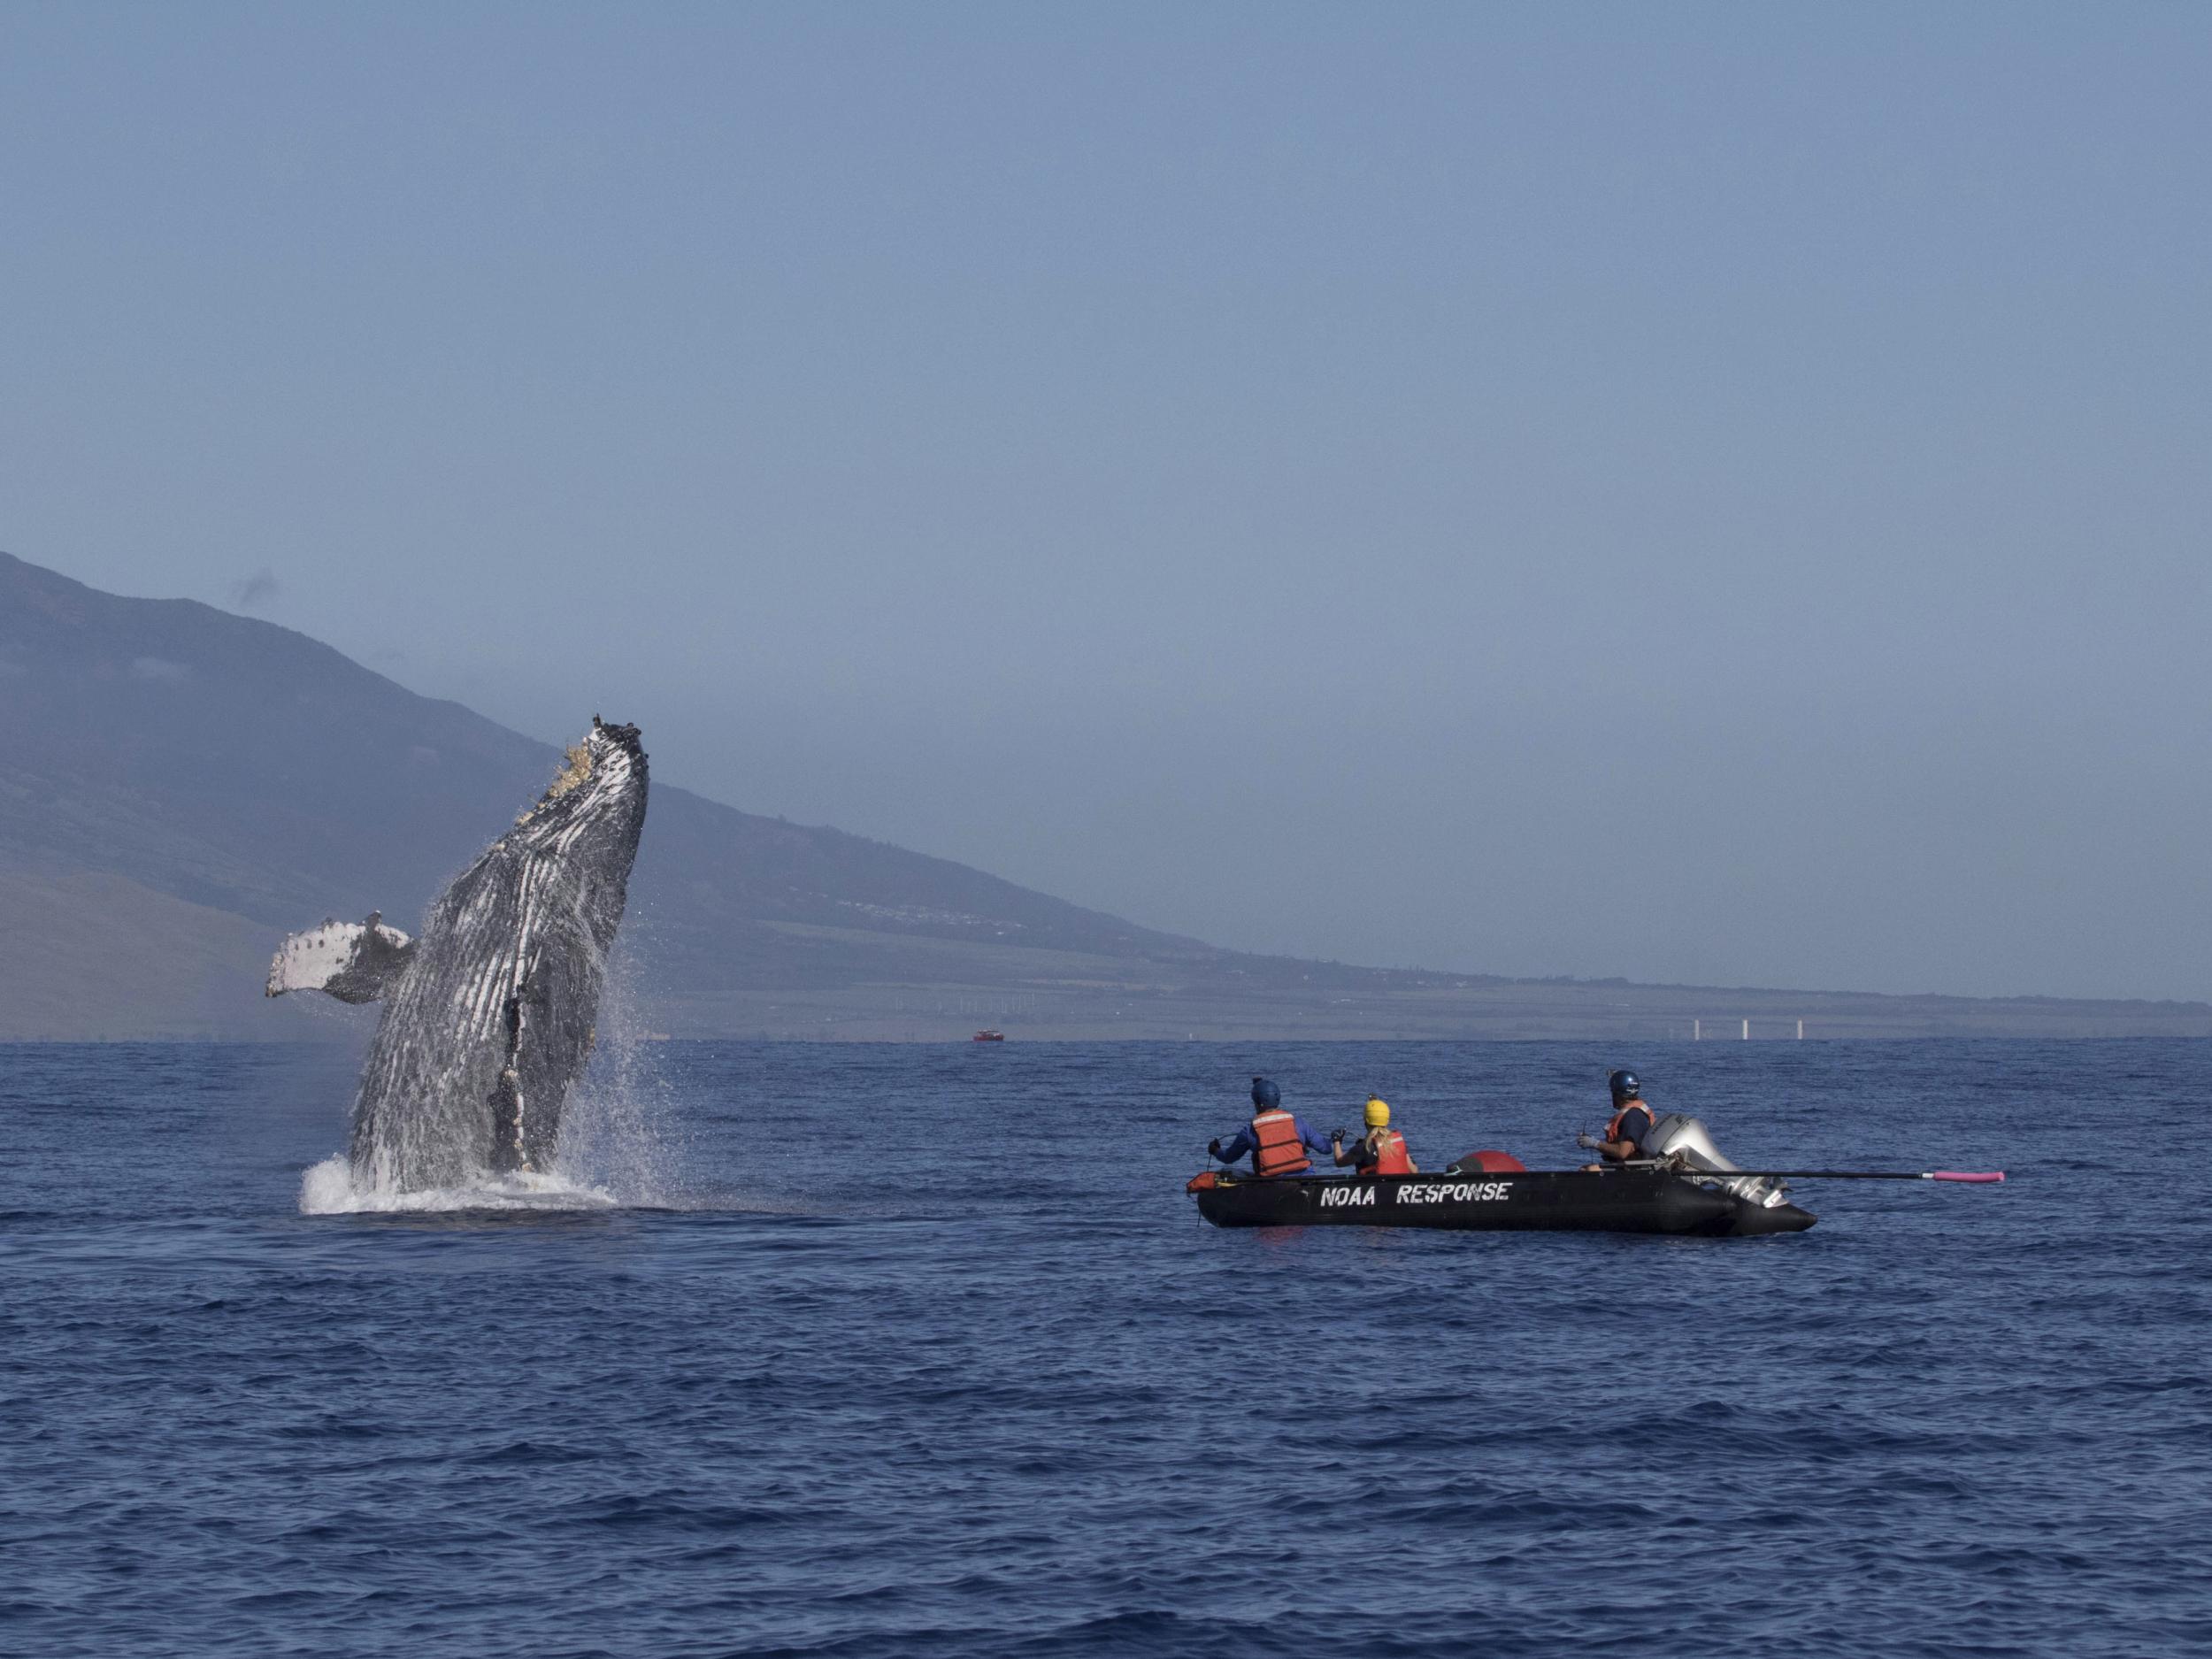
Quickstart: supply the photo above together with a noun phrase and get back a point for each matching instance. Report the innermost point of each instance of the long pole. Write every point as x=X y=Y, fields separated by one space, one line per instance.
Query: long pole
x=1977 y=1176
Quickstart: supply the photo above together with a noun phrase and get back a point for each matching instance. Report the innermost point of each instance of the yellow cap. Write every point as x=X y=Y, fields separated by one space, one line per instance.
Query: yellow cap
x=1378 y=1113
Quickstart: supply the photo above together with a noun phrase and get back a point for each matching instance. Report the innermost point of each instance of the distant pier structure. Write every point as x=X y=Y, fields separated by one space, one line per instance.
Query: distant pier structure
x=1697 y=1030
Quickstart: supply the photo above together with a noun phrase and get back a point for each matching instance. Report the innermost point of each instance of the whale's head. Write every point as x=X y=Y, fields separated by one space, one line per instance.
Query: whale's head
x=591 y=813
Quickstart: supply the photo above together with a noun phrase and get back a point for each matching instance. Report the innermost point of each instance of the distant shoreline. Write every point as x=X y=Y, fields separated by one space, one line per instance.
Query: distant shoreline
x=1153 y=1002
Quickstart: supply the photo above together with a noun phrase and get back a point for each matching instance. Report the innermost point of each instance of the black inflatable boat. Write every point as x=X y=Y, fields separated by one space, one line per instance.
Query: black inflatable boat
x=1627 y=1199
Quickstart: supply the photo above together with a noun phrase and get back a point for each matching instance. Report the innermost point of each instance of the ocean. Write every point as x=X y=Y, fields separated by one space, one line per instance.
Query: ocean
x=908 y=1349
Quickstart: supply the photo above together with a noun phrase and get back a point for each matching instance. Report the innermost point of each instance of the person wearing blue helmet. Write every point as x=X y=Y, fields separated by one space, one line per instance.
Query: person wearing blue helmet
x=1277 y=1140
x=1624 y=1137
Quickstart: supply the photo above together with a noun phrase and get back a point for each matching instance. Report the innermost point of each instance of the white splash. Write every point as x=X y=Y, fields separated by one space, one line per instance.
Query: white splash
x=617 y=1131
x=328 y=1189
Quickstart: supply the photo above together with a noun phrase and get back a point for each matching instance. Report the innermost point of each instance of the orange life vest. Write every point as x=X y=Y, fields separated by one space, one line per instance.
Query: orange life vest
x=1276 y=1149
x=1390 y=1155
x=1613 y=1129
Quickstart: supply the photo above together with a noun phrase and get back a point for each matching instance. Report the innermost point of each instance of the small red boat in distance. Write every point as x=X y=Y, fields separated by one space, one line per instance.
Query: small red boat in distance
x=988 y=1036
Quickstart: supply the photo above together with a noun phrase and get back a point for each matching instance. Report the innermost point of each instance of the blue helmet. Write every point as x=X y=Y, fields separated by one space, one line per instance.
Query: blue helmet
x=1265 y=1096
x=1625 y=1087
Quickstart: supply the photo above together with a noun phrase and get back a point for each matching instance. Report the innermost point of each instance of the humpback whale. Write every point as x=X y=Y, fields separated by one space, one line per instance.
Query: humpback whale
x=489 y=1015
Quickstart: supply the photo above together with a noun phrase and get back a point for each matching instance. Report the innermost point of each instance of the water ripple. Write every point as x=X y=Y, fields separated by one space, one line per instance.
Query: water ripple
x=966 y=1375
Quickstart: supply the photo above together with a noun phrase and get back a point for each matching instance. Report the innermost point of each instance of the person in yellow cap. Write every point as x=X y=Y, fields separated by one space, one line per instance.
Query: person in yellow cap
x=1380 y=1151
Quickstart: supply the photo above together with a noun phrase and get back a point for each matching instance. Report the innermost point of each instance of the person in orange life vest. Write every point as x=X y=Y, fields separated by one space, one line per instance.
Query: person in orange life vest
x=1277 y=1140
x=1380 y=1151
x=1624 y=1137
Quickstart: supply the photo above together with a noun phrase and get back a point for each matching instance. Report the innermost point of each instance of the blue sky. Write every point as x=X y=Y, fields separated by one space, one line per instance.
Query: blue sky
x=1704 y=493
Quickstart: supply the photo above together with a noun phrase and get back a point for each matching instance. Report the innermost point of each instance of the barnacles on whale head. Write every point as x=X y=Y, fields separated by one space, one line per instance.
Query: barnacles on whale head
x=577 y=764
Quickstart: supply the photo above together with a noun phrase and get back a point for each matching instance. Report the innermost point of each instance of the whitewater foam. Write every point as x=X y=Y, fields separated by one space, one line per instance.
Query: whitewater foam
x=328 y=1189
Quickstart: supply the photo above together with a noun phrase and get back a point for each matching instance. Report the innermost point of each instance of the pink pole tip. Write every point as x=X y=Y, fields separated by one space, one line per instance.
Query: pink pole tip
x=1966 y=1175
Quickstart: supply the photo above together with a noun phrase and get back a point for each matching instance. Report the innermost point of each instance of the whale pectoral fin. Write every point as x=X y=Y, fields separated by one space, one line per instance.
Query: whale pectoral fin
x=355 y=961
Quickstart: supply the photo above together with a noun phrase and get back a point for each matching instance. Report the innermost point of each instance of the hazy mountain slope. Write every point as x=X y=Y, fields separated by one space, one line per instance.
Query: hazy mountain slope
x=92 y=954
x=180 y=787
x=232 y=764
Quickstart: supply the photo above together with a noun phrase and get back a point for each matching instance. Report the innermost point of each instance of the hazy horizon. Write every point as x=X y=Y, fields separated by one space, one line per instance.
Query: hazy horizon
x=1711 y=496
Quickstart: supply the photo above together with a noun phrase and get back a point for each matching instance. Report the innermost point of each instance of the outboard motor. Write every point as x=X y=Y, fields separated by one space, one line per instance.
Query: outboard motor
x=1679 y=1140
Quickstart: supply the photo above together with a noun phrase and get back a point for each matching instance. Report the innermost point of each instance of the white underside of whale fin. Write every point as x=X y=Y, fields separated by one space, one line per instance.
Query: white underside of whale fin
x=354 y=961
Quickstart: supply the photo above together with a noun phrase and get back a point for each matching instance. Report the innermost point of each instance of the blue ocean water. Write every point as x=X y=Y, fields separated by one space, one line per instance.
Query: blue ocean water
x=924 y=1350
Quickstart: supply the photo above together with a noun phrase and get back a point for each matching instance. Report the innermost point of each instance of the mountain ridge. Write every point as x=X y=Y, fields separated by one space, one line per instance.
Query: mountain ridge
x=180 y=785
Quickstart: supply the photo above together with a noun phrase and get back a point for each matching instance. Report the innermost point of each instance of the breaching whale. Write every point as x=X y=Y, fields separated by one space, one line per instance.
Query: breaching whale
x=489 y=1015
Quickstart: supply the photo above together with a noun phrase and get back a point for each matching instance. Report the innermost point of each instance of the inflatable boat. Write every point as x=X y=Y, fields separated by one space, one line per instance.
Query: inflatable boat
x=1532 y=1201
x=1685 y=1187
